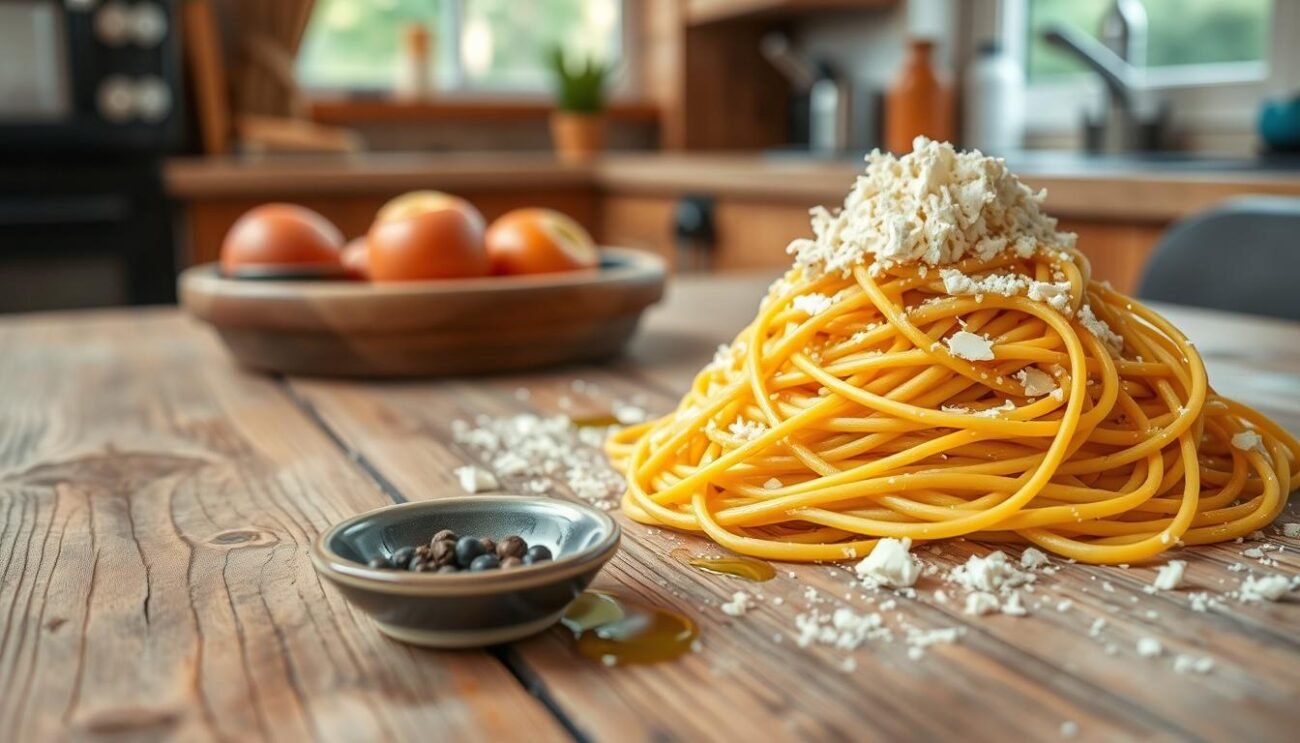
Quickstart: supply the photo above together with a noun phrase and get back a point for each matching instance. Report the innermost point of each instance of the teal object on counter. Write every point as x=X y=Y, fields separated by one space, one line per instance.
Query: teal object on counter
x=1279 y=124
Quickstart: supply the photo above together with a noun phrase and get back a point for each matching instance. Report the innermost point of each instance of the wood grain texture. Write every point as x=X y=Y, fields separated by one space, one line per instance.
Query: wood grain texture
x=1007 y=677
x=155 y=507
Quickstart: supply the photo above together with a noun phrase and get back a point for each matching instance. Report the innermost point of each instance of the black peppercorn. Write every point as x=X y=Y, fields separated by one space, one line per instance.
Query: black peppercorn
x=511 y=546
x=443 y=553
x=484 y=562
x=377 y=562
x=511 y=562
x=535 y=554
x=418 y=565
x=468 y=548
x=446 y=535
x=402 y=557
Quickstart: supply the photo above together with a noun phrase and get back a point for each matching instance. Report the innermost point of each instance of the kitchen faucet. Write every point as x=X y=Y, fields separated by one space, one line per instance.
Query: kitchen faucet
x=1133 y=121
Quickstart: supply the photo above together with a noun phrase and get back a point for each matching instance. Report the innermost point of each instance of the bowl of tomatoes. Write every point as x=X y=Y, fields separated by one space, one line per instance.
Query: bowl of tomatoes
x=430 y=289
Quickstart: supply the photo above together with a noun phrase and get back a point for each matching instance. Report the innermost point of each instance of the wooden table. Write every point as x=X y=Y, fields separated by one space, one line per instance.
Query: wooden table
x=154 y=581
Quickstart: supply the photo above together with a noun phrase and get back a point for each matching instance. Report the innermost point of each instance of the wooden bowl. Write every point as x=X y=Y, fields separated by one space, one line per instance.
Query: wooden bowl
x=427 y=328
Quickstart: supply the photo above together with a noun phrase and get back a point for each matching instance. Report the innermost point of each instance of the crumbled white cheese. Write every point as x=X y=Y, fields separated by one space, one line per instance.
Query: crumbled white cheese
x=1035 y=381
x=970 y=346
x=890 y=564
x=1013 y=607
x=476 y=479
x=1265 y=587
x=1033 y=558
x=1169 y=576
x=746 y=430
x=1069 y=729
x=1056 y=295
x=544 y=451
x=933 y=206
x=980 y=603
x=740 y=603
x=1097 y=626
x=813 y=304
x=772 y=484
x=1100 y=329
x=990 y=573
x=1190 y=663
x=1247 y=440
x=1291 y=529
x=1149 y=647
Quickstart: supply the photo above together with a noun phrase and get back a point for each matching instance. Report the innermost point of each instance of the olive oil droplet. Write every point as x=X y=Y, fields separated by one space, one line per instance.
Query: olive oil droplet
x=595 y=421
x=615 y=631
x=736 y=566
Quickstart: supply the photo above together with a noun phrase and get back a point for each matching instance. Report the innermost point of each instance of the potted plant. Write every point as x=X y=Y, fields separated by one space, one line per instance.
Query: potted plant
x=578 y=123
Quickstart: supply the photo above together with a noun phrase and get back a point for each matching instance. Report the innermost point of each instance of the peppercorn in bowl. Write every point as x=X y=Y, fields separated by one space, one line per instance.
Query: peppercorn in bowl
x=466 y=571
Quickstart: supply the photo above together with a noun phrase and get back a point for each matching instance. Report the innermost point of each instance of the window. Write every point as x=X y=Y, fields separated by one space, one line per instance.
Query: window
x=1181 y=33
x=478 y=45
x=1211 y=61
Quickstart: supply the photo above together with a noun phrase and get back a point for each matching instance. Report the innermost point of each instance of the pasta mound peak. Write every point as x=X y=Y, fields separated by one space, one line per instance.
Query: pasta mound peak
x=935 y=206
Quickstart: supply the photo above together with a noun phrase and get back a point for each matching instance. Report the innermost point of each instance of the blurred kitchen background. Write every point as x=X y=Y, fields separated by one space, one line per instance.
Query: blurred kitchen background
x=134 y=132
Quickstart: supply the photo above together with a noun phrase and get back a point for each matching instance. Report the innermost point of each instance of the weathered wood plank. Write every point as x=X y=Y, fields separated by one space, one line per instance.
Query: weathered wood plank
x=1007 y=676
x=155 y=505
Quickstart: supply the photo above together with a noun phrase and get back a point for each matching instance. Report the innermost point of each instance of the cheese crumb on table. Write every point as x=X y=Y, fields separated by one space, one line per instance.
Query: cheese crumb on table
x=890 y=564
x=1033 y=558
x=1265 y=587
x=1291 y=529
x=1192 y=663
x=740 y=603
x=476 y=479
x=1149 y=647
x=1169 y=576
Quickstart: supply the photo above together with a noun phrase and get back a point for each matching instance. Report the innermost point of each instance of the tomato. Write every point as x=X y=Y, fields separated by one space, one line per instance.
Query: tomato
x=281 y=237
x=539 y=241
x=427 y=235
x=356 y=261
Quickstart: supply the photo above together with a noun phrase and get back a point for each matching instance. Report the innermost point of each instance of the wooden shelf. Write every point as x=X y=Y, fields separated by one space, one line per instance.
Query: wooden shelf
x=700 y=12
x=350 y=111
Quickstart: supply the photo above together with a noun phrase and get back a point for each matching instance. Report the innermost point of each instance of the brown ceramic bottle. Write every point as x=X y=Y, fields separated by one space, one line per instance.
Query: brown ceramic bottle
x=919 y=102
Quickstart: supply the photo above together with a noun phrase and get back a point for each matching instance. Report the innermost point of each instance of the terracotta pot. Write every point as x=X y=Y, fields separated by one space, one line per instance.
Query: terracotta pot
x=577 y=136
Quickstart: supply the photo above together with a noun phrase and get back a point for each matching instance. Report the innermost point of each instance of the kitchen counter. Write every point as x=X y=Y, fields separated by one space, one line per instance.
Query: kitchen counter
x=159 y=502
x=1158 y=189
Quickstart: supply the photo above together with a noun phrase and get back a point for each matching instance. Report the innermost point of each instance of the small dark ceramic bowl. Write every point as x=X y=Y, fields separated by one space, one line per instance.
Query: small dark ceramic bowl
x=461 y=610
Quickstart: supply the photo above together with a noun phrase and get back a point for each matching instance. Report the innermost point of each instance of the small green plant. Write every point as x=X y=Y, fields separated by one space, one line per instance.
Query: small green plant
x=581 y=87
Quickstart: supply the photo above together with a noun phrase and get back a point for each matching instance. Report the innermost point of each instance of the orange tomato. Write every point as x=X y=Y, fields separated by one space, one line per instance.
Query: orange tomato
x=356 y=259
x=426 y=235
x=281 y=236
x=539 y=241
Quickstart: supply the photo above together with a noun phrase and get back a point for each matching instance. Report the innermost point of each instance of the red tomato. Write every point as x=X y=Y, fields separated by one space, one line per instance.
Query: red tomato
x=427 y=235
x=539 y=241
x=356 y=261
x=281 y=236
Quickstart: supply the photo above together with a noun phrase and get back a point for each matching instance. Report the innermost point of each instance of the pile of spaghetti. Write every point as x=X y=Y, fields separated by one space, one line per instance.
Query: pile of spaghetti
x=938 y=363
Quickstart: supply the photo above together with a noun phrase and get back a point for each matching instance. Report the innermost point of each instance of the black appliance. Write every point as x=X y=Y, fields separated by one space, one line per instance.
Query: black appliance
x=90 y=104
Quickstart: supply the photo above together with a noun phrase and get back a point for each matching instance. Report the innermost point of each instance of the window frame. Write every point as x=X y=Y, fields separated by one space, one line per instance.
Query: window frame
x=453 y=86
x=1209 y=98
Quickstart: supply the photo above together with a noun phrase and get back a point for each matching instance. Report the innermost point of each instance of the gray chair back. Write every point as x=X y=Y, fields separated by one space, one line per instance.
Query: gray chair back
x=1241 y=256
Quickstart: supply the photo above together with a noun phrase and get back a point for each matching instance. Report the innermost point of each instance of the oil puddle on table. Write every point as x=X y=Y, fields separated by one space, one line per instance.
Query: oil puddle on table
x=616 y=631
x=735 y=566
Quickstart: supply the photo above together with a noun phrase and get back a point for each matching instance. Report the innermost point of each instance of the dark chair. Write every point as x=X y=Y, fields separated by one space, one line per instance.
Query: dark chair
x=1241 y=256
